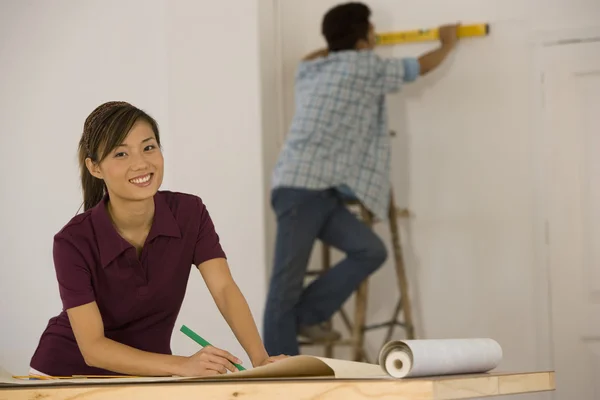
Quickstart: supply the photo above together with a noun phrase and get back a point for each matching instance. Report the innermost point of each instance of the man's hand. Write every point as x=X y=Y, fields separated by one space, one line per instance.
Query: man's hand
x=449 y=34
x=270 y=360
x=448 y=37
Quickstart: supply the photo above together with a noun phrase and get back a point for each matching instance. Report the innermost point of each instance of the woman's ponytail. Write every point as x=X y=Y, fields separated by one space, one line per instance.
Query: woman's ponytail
x=92 y=187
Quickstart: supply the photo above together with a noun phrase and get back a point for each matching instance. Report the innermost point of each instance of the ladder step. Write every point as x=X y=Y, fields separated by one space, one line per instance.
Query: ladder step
x=342 y=342
x=385 y=325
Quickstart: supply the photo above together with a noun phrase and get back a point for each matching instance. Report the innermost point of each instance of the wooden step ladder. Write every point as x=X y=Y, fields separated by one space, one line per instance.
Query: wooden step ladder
x=358 y=327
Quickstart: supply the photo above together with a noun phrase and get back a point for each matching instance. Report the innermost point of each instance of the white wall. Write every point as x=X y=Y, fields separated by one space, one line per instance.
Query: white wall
x=215 y=119
x=60 y=60
x=272 y=109
x=464 y=163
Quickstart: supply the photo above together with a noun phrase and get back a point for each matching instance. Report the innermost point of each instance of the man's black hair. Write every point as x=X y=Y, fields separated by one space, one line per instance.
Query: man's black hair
x=345 y=24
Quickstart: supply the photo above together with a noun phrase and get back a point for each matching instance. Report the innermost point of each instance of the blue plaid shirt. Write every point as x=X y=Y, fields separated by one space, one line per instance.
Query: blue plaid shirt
x=339 y=137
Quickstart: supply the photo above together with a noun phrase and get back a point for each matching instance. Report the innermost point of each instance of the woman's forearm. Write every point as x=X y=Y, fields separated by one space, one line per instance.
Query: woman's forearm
x=235 y=310
x=113 y=356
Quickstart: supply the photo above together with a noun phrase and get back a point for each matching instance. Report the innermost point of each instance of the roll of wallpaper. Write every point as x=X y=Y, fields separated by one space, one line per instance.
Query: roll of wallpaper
x=429 y=357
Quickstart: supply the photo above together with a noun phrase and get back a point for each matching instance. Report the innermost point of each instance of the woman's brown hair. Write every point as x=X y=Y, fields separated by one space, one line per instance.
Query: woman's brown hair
x=104 y=129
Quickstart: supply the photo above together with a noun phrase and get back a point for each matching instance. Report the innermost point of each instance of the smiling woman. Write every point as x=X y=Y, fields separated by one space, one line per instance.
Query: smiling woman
x=123 y=264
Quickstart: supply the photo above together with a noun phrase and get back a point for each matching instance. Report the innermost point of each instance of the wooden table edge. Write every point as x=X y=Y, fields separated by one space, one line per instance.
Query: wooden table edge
x=438 y=388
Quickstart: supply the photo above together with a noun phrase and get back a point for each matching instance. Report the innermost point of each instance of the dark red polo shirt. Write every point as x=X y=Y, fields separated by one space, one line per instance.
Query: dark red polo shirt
x=139 y=298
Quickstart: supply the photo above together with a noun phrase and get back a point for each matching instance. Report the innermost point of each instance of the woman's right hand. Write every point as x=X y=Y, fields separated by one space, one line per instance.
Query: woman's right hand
x=208 y=361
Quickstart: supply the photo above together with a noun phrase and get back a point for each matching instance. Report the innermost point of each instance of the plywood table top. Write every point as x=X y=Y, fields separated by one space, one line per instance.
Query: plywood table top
x=436 y=388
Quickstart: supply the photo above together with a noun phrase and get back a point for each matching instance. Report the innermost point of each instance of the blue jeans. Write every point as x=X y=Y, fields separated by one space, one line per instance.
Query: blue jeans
x=303 y=216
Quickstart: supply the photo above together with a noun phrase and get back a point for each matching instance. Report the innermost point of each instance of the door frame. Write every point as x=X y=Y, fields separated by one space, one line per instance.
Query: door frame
x=278 y=42
x=541 y=41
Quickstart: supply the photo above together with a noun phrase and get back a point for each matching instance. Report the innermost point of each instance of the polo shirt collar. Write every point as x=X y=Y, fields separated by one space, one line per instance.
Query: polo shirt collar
x=111 y=244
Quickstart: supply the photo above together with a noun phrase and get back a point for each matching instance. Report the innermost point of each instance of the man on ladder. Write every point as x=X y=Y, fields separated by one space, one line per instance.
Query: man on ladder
x=337 y=148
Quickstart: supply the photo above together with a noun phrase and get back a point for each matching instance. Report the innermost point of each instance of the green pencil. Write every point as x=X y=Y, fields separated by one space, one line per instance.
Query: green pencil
x=202 y=342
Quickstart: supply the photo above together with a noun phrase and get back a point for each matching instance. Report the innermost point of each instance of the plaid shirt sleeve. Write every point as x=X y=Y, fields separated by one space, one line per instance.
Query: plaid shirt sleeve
x=390 y=74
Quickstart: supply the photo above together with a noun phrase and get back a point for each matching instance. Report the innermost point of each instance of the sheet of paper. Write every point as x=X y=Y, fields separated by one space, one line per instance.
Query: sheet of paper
x=355 y=370
x=7 y=378
x=398 y=359
x=291 y=368
x=431 y=357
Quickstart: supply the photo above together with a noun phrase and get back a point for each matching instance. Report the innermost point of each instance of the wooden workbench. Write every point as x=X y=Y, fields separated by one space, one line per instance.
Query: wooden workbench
x=439 y=388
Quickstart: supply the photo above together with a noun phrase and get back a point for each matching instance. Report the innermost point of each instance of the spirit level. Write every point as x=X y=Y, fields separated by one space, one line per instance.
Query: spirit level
x=424 y=35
